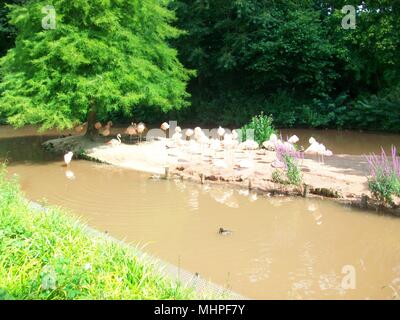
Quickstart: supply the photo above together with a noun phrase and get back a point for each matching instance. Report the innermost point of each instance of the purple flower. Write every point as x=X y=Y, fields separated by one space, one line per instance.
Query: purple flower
x=382 y=165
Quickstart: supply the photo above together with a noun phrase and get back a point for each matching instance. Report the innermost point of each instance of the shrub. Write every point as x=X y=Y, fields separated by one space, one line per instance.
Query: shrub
x=262 y=127
x=384 y=180
x=293 y=172
x=289 y=157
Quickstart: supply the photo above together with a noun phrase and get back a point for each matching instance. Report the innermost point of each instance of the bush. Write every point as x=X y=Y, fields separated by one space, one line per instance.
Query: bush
x=293 y=172
x=262 y=127
x=384 y=180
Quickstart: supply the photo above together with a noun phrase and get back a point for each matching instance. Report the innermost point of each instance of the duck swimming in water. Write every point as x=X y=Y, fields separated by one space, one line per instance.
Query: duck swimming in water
x=224 y=232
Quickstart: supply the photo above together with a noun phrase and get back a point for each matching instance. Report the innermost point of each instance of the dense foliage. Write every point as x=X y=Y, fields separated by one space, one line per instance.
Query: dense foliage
x=102 y=57
x=293 y=59
x=289 y=59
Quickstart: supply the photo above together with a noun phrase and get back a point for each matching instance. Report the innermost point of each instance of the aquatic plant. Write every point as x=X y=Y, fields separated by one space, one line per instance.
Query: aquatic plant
x=293 y=172
x=384 y=180
x=262 y=127
x=287 y=157
x=50 y=255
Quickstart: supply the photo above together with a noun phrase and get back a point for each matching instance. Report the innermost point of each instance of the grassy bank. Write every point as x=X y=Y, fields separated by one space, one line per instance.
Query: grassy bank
x=48 y=255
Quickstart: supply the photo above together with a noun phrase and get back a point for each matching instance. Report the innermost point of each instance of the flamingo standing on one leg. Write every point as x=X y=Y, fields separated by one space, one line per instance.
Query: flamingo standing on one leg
x=140 y=129
x=165 y=127
x=221 y=132
x=189 y=133
x=131 y=130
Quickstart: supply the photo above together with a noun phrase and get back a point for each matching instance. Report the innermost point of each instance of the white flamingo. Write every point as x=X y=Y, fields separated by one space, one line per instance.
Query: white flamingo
x=221 y=132
x=165 y=127
x=189 y=133
x=140 y=129
x=235 y=135
x=115 y=142
x=178 y=129
x=293 y=139
x=68 y=158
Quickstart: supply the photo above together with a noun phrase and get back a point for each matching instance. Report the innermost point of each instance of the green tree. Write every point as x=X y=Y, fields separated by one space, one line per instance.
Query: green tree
x=7 y=32
x=103 y=56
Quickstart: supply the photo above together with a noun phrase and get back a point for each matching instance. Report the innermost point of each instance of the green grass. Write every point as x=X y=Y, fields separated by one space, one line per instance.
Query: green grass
x=49 y=255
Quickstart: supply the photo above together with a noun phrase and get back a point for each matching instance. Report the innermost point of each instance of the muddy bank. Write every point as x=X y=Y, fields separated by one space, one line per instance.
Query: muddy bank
x=341 y=177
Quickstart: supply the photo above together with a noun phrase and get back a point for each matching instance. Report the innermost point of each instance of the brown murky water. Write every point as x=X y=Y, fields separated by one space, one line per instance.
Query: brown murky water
x=347 y=142
x=280 y=248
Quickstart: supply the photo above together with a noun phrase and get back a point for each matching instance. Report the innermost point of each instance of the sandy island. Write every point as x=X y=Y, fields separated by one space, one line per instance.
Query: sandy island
x=341 y=177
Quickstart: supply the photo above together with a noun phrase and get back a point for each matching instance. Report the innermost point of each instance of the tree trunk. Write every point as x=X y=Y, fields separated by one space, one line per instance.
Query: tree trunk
x=91 y=131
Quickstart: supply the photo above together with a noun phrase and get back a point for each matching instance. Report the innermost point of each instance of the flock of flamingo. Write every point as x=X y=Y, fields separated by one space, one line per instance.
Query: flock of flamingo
x=196 y=142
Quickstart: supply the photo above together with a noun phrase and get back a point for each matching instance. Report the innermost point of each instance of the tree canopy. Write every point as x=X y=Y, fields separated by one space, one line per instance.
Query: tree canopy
x=103 y=56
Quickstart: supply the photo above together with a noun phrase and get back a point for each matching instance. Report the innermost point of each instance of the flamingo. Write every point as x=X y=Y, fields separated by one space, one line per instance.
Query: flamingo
x=293 y=139
x=324 y=152
x=131 y=130
x=68 y=158
x=165 y=127
x=189 y=133
x=235 y=134
x=81 y=127
x=229 y=144
x=318 y=149
x=198 y=133
x=271 y=143
x=178 y=129
x=177 y=137
x=115 y=142
x=221 y=132
x=97 y=125
x=140 y=129
x=106 y=131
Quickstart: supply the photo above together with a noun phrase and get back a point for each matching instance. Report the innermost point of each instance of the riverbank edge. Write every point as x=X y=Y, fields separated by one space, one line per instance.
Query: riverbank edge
x=82 y=148
x=188 y=280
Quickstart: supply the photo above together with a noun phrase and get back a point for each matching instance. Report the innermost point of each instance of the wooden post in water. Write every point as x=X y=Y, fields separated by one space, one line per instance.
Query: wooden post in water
x=305 y=190
x=202 y=178
x=166 y=175
x=364 y=201
x=250 y=185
